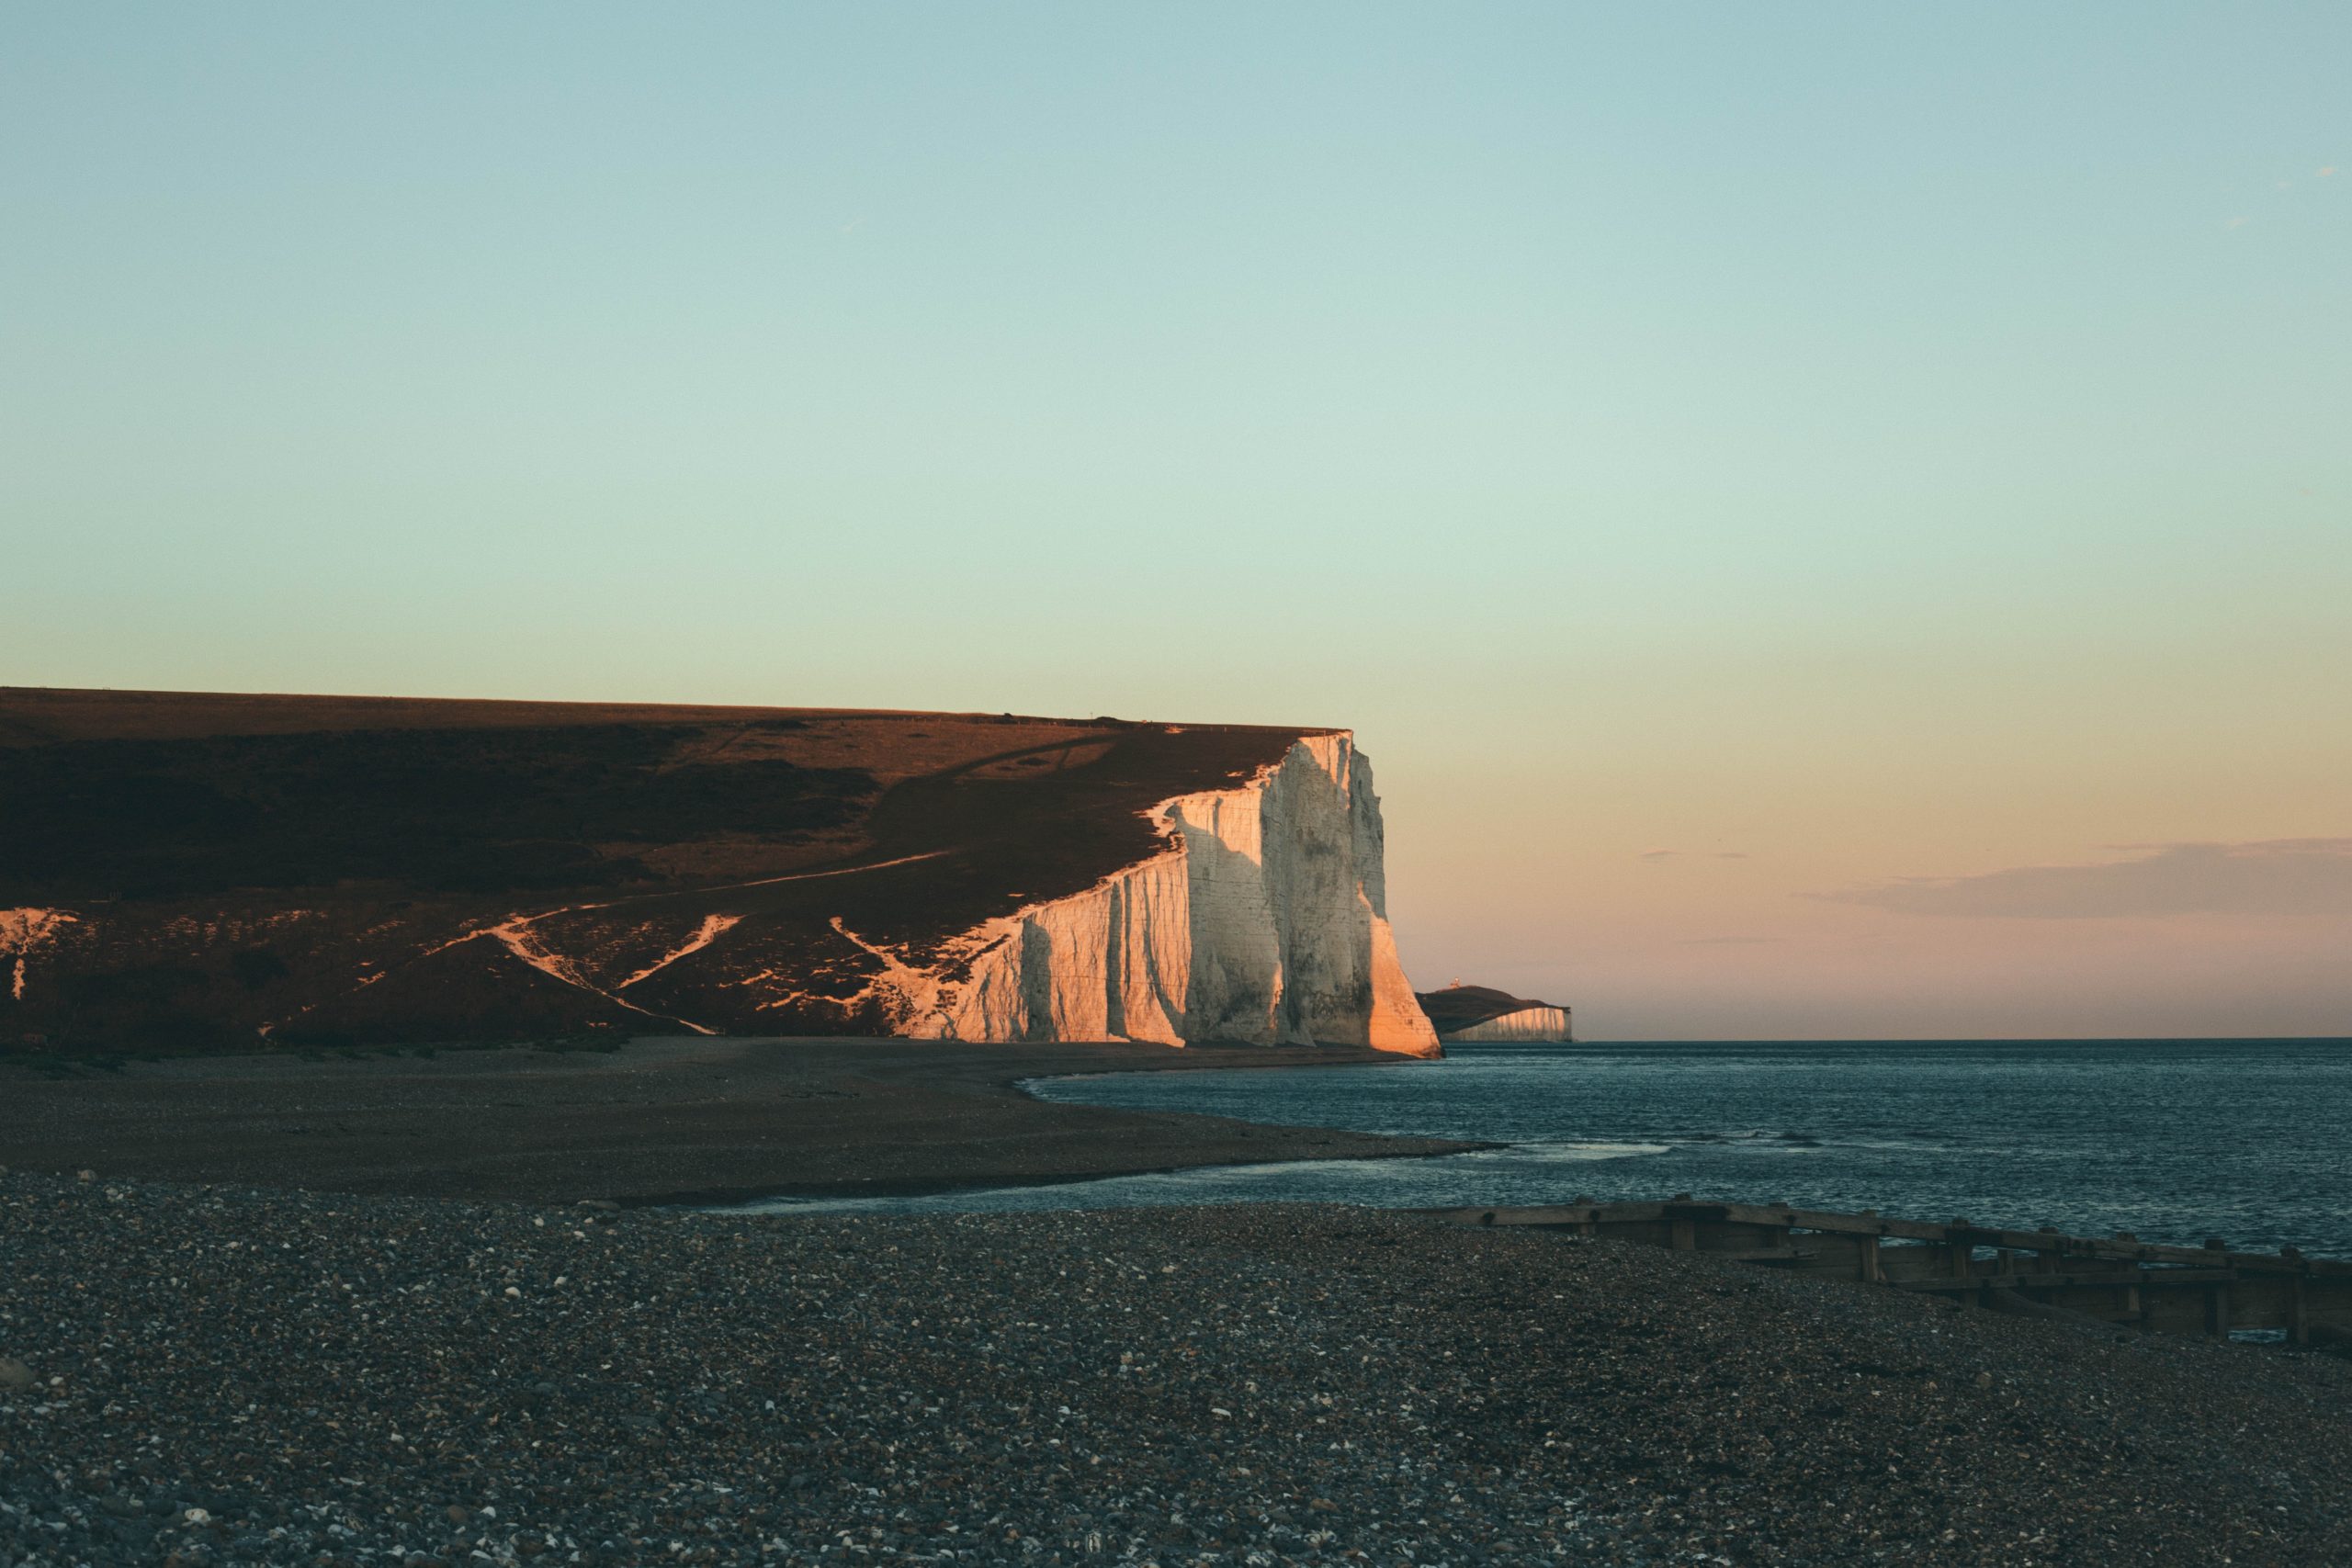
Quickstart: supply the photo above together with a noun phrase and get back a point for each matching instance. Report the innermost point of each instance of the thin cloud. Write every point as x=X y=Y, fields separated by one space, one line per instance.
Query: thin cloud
x=1660 y=854
x=2271 y=876
x=2326 y=172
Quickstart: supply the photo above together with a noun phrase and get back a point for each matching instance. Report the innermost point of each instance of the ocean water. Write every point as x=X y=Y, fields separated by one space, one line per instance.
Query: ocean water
x=2176 y=1141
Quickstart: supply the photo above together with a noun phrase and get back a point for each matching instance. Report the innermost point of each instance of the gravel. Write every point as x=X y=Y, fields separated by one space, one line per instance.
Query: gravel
x=220 y=1376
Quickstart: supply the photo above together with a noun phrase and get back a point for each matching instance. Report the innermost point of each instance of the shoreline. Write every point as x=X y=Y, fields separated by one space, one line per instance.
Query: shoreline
x=660 y=1121
x=734 y=1202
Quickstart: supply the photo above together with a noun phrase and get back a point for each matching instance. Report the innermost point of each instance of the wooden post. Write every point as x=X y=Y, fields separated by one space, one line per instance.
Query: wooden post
x=1963 y=1250
x=2299 y=1327
x=1871 y=1274
x=2133 y=1307
x=2217 y=1298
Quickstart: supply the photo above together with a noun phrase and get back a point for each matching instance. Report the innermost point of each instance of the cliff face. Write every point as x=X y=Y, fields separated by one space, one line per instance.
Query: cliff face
x=1481 y=1013
x=1264 y=920
x=1528 y=1025
x=208 y=871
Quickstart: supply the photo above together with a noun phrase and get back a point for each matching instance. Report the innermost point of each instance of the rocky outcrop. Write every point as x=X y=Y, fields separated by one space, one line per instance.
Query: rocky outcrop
x=187 y=871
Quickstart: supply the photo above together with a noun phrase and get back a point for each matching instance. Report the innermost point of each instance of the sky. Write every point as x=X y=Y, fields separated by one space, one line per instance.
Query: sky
x=1830 y=521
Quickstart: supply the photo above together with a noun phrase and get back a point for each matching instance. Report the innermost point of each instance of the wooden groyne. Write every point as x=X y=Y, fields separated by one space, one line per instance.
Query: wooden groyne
x=2117 y=1279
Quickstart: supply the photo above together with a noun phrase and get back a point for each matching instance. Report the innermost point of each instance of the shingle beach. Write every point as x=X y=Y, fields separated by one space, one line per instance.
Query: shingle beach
x=213 y=1375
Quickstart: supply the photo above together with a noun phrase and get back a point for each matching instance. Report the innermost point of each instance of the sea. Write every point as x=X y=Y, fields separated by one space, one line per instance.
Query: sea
x=2176 y=1141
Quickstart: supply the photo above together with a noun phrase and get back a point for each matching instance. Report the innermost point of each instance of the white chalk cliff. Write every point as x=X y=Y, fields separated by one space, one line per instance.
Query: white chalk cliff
x=1547 y=1024
x=1264 y=920
x=632 y=868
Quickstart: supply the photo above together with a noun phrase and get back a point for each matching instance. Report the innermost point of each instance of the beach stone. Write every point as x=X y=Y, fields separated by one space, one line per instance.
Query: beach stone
x=786 y=1389
x=85 y=1175
x=15 y=1374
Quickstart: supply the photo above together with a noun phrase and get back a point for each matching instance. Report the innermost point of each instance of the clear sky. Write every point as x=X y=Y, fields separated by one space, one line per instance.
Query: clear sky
x=1831 y=520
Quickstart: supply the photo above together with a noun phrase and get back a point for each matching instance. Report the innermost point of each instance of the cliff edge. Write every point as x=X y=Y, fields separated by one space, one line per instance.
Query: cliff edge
x=1481 y=1014
x=205 y=870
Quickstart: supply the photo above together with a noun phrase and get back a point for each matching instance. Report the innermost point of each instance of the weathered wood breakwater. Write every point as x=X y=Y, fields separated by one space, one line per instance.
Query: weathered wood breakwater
x=2206 y=1290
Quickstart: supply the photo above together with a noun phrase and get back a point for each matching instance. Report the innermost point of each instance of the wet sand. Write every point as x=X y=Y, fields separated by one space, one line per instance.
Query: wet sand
x=657 y=1121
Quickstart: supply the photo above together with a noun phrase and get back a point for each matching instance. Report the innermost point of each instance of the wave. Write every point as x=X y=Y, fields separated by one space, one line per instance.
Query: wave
x=1592 y=1151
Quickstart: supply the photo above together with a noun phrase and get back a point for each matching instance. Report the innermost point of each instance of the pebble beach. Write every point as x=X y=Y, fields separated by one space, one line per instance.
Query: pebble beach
x=197 y=1375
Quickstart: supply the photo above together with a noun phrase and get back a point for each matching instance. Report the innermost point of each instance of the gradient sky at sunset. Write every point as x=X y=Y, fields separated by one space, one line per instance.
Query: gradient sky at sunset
x=1830 y=520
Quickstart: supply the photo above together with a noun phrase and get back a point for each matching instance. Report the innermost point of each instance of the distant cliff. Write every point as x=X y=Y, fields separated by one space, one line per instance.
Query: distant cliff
x=1480 y=1013
x=206 y=870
